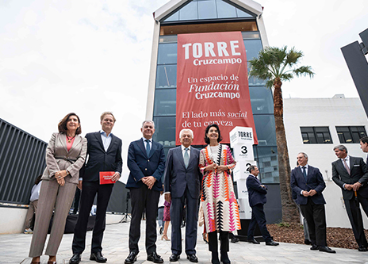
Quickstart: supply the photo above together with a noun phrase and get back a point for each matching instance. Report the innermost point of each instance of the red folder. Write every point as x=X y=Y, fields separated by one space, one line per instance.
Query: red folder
x=105 y=177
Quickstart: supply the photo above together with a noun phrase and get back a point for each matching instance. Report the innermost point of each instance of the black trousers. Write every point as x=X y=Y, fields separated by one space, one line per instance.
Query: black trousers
x=143 y=198
x=89 y=191
x=258 y=216
x=316 y=220
x=224 y=241
x=355 y=217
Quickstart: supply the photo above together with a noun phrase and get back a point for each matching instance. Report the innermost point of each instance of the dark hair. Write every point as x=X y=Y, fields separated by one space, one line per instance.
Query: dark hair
x=251 y=168
x=206 y=139
x=38 y=179
x=62 y=125
x=364 y=139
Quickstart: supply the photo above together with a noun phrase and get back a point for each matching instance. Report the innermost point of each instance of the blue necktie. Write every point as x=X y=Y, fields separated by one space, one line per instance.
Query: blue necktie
x=304 y=174
x=148 y=148
x=186 y=157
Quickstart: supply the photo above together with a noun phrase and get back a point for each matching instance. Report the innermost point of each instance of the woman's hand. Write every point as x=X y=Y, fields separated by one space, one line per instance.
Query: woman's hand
x=222 y=168
x=61 y=174
x=211 y=167
x=61 y=181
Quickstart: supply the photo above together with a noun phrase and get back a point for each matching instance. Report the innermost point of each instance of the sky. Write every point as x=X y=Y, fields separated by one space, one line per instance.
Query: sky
x=93 y=56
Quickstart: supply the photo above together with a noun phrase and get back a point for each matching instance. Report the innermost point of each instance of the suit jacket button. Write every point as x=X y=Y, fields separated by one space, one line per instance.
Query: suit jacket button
x=145 y=169
x=148 y=160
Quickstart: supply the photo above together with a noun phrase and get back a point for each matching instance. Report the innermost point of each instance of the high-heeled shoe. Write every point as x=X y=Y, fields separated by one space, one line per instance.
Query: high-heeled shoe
x=165 y=237
x=205 y=239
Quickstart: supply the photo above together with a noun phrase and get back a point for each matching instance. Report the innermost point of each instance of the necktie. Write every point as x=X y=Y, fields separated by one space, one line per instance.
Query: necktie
x=186 y=158
x=346 y=166
x=148 y=148
x=304 y=174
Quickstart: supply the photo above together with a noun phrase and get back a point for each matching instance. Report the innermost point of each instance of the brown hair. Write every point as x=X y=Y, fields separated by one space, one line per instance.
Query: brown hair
x=107 y=113
x=62 y=125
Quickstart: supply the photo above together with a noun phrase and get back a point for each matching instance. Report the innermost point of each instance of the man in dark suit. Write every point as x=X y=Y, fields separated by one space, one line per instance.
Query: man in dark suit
x=351 y=174
x=308 y=184
x=257 y=198
x=182 y=185
x=364 y=146
x=103 y=154
x=146 y=162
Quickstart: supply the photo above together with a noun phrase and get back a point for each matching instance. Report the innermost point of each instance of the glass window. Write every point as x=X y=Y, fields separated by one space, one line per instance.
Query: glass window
x=350 y=134
x=316 y=135
x=189 y=11
x=268 y=164
x=173 y=17
x=253 y=80
x=252 y=47
x=225 y=10
x=261 y=99
x=207 y=9
x=265 y=129
x=164 y=131
x=166 y=76
x=165 y=102
x=167 y=53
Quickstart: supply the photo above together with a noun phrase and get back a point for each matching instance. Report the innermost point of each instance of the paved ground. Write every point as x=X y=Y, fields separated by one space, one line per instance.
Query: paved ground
x=14 y=249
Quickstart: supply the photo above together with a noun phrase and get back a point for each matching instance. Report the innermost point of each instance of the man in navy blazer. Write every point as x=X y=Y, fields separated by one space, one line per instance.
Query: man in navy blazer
x=308 y=184
x=182 y=186
x=104 y=154
x=351 y=174
x=146 y=162
x=257 y=198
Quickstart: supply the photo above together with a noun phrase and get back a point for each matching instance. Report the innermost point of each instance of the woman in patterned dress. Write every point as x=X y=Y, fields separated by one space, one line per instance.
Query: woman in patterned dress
x=218 y=198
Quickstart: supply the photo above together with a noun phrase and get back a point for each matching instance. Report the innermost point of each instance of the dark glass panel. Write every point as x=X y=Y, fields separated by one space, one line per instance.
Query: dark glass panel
x=261 y=99
x=164 y=131
x=250 y=35
x=320 y=139
x=312 y=138
x=268 y=164
x=189 y=11
x=167 y=53
x=252 y=47
x=225 y=10
x=305 y=138
x=207 y=9
x=306 y=129
x=165 y=102
x=265 y=129
x=356 y=138
x=166 y=76
x=321 y=129
x=327 y=138
x=342 y=129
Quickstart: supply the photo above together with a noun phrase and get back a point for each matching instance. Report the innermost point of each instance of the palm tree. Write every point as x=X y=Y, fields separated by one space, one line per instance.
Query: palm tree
x=277 y=65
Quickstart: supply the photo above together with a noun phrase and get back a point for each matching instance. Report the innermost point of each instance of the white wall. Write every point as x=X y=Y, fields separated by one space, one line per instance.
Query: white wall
x=329 y=112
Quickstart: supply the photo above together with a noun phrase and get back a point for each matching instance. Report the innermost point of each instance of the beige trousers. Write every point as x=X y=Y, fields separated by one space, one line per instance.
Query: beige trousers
x=32 y=209
x=51 y=195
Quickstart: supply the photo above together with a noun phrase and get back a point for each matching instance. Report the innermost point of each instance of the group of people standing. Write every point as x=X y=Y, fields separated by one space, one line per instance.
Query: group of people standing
x=186 y=170
x=351 y=175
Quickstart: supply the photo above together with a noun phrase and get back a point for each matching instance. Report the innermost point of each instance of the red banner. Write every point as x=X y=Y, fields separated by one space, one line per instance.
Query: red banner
x=212 y=84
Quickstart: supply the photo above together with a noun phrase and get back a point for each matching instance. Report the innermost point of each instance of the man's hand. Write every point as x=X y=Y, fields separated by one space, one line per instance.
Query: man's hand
x=149 y=181
x=348 y=187
x=115 y=177
x=80 y=185
x=168 y=197
x=305 y=193
x=356 y=186
x=312 y=192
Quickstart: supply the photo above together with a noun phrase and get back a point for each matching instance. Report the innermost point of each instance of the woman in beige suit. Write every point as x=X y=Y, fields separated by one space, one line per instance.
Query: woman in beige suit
x=65 y=156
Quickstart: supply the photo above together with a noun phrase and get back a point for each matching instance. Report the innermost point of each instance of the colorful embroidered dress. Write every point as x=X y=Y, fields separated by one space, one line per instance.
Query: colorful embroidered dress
x=218 y=198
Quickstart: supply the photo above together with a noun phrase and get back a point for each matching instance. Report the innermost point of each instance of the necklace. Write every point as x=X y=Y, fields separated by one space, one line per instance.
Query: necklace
x=70 y=138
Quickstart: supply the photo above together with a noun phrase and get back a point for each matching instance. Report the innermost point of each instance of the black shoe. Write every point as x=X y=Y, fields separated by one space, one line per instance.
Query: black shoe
x=253 y=241
x=307 y=242
x=192 y=258
x=272 y=243
x=155 y=258
x=362 y=249
x=161 y=230
x=131 y=258
x=326 y=249
x=215 y=261
x=314 y=247
x=225 y=259
x=75 y=259
x=174 y=258
x=234 y=240
x=97 y=256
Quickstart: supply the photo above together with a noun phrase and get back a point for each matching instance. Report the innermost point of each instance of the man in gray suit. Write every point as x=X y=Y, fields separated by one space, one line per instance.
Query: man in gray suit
x=182 y=185
x=351 y=174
